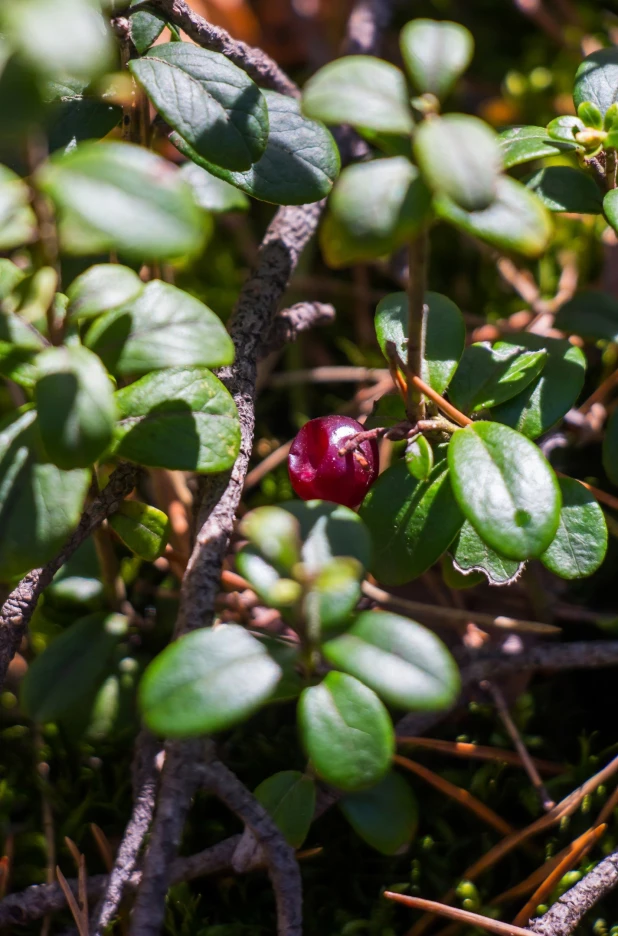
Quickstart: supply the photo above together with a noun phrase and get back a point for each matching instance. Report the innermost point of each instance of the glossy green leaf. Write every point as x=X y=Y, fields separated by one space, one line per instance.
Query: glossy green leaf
x=300 y=162
x=211 y=193
x=71 y=665
x=34 y=295
x=562 y=188
x=387 y=411
x=579 y=547
x=289 y=798
x=517 y=220
x=404 y=662
x=77 y=583
x=435 y=53
x=375 y=207
x=275 y=533
x=274 y=589
x=40 y=505
x=505 y=488
x=610 y=448
x=182 y=418
x=523 y=144
x=332 y=596
x=163 y=327
x=563 y=129
x=472 y=554
x=346 y=731
x=208 y=100
x=361 y=91
x=146 y=27
x=77 y=113
x=327 y=531
x=385 y=816
x=19 y=345
x=590 y=115
x=419 y=458
x=207 y=681
x=459 y=157
x=144 y=529
x=544 y=401
x=596 y=79
x=116 y=196
x=101 y=288
x=445 y=334
x=411 y=522
x=17 y=220
x=488 y=375
x=591 y=314
x=610 y=208
x=75 y=404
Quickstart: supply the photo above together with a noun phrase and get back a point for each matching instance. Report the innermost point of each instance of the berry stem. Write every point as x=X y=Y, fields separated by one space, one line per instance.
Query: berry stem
x=395 y=366
x=417 y=278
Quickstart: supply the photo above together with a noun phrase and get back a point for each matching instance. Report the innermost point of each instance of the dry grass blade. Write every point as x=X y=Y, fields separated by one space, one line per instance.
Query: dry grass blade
x=481 y=752
x=72 y=903
x=75 y=854
x=462 y=916
x=82 y=881
x=105 y=849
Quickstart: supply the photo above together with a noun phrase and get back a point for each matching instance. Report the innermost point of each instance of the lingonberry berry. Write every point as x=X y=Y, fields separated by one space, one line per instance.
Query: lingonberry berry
x=318 y=470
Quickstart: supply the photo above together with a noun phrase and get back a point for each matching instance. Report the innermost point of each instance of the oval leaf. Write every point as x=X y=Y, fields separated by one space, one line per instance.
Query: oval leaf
x=523 y=144
x=346 y=731
x=275 y=533
x=386 y=816
x=332 y=596
x=610 y=208
x=289 y=797
x=562 y=188
x=505 y=488
x=328 y=531
x=596 y=79
x=591 y=314
x=419 y=458
x=101 y=288
x=211 y=193
x=579 y=547
x=144 y=529
x=488 y=375
x=472 y=554
x=146 y=27
x=435 y=53
x=207 y=681
x=17 y=220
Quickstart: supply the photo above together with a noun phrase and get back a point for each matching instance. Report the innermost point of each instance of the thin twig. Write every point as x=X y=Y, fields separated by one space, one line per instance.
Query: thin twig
x=481 y=752
x=291 y=322
x=454 y=913
x=563 y=917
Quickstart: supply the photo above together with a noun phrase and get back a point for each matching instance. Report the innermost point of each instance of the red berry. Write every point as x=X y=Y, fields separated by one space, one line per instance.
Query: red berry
x=317 y=470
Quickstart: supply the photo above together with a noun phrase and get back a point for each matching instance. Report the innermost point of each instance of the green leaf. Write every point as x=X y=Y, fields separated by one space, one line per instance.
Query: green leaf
x=459 y=157
x=590 y=115
x=144 y=529
x=387 y=411
x=563 y=130
x=75 y=404
x=361 y=91
x=435 y=54
x=517 y=220
x=454 y=577
x=386 y=816
x=163 y=327
x=332 y=596
x=264 y=578
x=40 y=505
x=19 y=345
x=545 y=401
x=77 y=114
x=591 y=314
x=182 y=418
x=116 y=196
x=561 y=188
x=71 y=666
x=505 y=488
x=327 y=531
x=596 y=79
x=101 y=288
x=275 y=533
x=445 y=334
x=17 y=220
x=488 y=375
x=211 y=193
x=419 y=458
x=10 y=277
x=404 y=662
x=300 y=162
x=57 y=36
x=289 y=798
x=346 y=731
x=523 y=144
x=610 y=208
x=375 y=207
x=208 y=100
x=21 y=100
x=146 y=27
x=206 y=681
x=411 y=522
x=579 y=547
x=472 y=554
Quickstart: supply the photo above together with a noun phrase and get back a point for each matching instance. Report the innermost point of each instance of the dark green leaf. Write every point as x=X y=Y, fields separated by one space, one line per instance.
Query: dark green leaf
x=435 y=54
x=300 y=162
x=523 y=144
x=488 y=375
x=505 y=488
x=591 y=314
x=375 y=207
x=543 y=402
x=146 y=27
x=75 y=404
x=386 y=816
x=144 y=529
x=517 y=220
x=454 y=577
x=346 y=731
x=17 y=220
x=579 y=547
x=163 y=327
x=327 y=531
x=445 y=334
x=39 y=504
x=206 y=681
x=561 y=188
x=208 y=100
x=77 y=115
x=610 y=208
x=183 y=419
x=411 y=522
x=77 y=583
x=10 y=277
x=332 y=596
x=563 y=130
x=21 y=100
x=590 y=114
x=610 y=448
x=419 y=458
x=404 y=662
x=387 y=411
x=471 y=553
x=459 y=157
x=116 y=196
x=275 y=533
x=272 y=588
x=101 y=288
x=71 y=666
x=596 y=79
x=19 y=345
x=289 y=797
x=361 y=91
x=211 y=193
